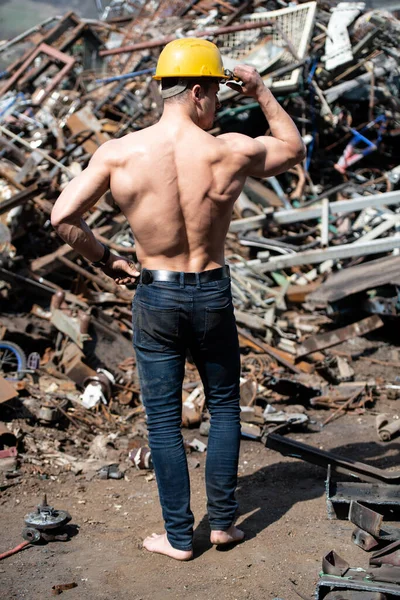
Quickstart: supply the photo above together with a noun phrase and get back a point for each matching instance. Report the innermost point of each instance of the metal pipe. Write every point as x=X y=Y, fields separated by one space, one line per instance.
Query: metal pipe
x=38 y=150
x=126 y=76
x=166 y=40
x=276 y=263
x=296 y=215
x=12 y=277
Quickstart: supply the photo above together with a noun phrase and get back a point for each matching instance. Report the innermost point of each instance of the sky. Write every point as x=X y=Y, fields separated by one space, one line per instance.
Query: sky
x=18 y=15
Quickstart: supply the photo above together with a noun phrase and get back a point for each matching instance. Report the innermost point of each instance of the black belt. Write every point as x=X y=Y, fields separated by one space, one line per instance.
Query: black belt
x=148 y=276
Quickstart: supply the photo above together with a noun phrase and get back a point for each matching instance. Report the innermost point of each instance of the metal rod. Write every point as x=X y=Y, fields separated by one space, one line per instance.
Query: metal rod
x=295 y=215
x=11 y=277
x=187 y=8
x=266 y=348
x=38 y=150
x=334 y=253
x=125 y=76
x=166 y=40
x=241 y=9
x=290 y=447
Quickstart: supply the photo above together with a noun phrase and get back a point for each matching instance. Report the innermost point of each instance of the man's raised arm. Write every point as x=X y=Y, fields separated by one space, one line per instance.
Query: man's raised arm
x=265 y=155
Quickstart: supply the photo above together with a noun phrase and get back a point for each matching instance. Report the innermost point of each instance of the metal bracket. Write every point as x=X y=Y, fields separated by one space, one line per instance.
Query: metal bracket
x=290 y=447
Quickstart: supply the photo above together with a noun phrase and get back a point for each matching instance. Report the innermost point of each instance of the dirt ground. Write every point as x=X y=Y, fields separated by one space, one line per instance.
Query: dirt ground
x=282 y=511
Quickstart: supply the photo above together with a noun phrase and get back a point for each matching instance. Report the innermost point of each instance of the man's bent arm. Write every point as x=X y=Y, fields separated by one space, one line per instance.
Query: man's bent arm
x=286 y=141
x=76 y=199
x=265 y=155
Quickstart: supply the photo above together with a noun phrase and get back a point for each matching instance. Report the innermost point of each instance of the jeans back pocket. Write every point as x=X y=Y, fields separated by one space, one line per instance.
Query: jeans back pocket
x=157 y=328
x=219 y=322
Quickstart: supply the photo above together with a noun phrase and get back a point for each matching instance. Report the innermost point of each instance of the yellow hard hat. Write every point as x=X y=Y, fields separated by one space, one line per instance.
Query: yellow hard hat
x=190 y=57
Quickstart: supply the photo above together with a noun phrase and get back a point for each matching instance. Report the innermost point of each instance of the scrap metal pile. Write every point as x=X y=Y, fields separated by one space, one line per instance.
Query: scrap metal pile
x=313 y=252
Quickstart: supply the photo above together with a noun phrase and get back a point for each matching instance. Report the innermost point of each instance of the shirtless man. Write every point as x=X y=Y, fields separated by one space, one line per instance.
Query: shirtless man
x=176 y=184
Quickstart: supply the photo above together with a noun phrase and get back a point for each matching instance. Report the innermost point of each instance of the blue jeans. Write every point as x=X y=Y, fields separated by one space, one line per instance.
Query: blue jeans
x=169 y=319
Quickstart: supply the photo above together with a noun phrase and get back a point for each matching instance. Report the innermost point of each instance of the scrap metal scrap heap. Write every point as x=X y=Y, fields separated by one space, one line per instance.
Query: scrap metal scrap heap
x=314 y=253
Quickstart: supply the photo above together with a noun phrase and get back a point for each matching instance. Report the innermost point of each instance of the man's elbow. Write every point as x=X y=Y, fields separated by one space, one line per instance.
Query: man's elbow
x=60 y=221
x=302 y=154
x=56 y=219
x=298 y=154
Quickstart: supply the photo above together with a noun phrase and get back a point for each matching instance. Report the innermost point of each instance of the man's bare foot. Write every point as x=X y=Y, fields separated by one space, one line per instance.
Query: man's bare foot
x=160 y=544
x=232 y=535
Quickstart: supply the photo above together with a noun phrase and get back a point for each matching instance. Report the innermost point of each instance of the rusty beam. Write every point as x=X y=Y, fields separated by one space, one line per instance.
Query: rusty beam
x=22 y=196
x=331 y=338
x=82 y=30
x=56 y=56
x=340 y=464
x=187 y=8
x=240 y=10
x=166 y=40
x=106 y=284
x=270 y=351
x=68 y=20
x=30 y=77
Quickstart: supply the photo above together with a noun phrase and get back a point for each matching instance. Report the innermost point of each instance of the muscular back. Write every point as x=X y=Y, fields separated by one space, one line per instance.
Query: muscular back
x=176 y=185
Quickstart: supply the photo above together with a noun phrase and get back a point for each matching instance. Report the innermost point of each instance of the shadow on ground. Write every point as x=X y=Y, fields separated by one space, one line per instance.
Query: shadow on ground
x=269 y=493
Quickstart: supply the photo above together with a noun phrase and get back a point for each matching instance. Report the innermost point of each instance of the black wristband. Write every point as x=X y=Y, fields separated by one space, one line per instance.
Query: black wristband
x=104 y=259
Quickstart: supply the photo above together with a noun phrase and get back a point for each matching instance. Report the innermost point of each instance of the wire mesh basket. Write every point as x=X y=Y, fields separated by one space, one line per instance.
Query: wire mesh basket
x=294 y=24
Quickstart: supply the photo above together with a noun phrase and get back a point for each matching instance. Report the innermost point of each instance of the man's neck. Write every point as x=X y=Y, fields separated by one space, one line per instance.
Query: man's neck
x=178 y=113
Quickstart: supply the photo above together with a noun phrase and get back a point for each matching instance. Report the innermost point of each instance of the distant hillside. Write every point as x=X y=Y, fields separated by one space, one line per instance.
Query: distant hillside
x=18 y=15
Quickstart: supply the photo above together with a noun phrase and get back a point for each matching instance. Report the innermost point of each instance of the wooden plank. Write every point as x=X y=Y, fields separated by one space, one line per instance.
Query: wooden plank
x=331 y=338
x=253 y=322
x=7 y=391
x=280 y=356
x=297 y=293
x=84 y=120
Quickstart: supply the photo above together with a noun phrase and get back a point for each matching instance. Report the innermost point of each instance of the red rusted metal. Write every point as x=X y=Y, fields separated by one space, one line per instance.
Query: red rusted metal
x=56 y=56
x=166 y=40
x=9 y=452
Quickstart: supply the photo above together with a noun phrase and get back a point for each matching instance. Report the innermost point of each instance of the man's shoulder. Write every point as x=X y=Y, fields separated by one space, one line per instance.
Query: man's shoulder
x=240 y=147
x=235 y=141
x=117 y=151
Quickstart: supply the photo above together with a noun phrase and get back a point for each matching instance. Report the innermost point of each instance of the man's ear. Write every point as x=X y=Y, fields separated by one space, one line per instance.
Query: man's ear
x=197 y=92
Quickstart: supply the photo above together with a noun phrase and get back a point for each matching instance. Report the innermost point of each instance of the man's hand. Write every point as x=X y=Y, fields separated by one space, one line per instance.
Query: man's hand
x=252 y=83
x=122 y=270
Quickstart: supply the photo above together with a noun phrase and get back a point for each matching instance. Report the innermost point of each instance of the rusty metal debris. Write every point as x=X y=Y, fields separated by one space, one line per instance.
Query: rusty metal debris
x=375 y=488
x=387 y=427
x=45 y=524
x=313 y=253
x=63 y=587
x=370 y=532
x=364 y=472
x=382 y=497
x=327 y=340
x=380 y=579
